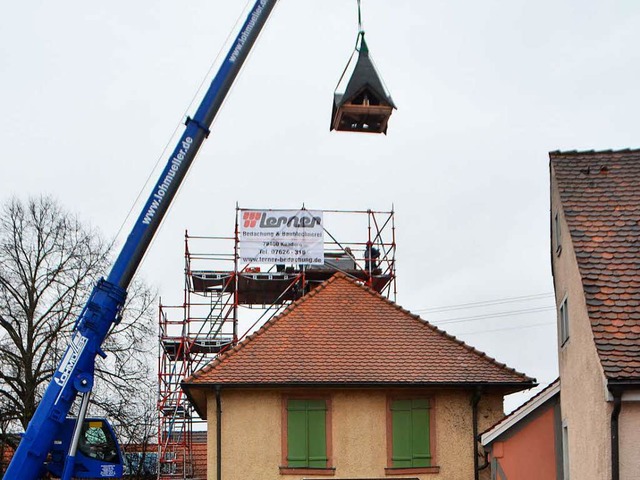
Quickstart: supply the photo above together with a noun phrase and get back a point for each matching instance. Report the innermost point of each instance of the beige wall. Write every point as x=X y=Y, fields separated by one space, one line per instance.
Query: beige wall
x=251 y=433
x=630 y=439
x=583 y=388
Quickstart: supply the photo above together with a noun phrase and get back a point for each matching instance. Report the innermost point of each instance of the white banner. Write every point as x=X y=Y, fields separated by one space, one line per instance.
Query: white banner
x=281 y=236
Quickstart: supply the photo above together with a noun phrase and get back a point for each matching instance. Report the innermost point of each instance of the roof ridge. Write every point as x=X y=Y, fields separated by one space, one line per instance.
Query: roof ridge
x=594 y=152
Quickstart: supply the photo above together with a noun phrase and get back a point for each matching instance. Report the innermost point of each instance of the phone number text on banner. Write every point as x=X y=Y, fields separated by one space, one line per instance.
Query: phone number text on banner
x=282 y=236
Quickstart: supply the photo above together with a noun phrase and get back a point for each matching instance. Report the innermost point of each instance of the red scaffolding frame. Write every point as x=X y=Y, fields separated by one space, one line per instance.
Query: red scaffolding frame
x=222 y=297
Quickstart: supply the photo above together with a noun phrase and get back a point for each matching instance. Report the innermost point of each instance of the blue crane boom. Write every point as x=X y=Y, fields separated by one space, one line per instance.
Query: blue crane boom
x=75 y=373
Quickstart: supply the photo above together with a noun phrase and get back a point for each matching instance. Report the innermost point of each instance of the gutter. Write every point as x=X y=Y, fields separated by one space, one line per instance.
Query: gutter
x=623 y=384
x=218 y=433
x=615 y=432
x=510 y=387
x=475 y=400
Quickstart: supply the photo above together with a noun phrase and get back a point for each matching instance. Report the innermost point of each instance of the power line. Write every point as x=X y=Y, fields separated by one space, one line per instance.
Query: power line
x=522 y=327
x=486 y=303
x=484 y=316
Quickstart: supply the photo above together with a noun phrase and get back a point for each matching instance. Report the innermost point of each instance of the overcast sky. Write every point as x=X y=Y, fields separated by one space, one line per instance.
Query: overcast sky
x=91 y=93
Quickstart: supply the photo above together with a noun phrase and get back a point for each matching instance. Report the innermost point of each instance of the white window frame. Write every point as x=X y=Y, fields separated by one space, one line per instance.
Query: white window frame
x=557 y=233
x=565 y=450
x=563 y=320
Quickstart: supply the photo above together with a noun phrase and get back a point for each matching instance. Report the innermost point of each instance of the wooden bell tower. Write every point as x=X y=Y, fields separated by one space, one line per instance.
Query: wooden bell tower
x=365 y=106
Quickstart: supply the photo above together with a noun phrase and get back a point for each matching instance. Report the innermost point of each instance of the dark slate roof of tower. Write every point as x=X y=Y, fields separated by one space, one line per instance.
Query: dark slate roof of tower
x=364 y=75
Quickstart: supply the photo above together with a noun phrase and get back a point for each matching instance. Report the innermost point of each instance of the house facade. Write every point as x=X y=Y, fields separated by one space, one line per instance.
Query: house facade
x=595 y=252
x=347 y=384
x=527 y=444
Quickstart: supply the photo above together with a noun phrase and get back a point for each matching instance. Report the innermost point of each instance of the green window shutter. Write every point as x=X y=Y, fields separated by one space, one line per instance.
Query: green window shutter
x=297 y=434
x=410 y=433
x=421 y=438
x=317 y=440
x=401 y=433
x=306 y=434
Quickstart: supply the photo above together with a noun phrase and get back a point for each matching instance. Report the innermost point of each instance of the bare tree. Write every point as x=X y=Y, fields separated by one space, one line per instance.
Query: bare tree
x=49 y=261
x=140 y=433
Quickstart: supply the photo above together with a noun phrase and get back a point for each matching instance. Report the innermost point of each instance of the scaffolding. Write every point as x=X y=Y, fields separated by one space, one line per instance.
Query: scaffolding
x=223 y=297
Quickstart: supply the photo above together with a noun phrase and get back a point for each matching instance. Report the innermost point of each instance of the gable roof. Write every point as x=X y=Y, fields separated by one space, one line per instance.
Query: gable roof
x=523 y=413
x=600 y=195
x=345 y=334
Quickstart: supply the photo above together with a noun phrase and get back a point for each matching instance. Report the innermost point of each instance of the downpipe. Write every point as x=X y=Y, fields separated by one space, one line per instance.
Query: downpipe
x=615 y=434
x=475 y=400
x=218 y=434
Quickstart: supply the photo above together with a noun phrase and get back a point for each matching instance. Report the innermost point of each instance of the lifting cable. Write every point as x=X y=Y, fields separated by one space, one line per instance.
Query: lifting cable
x=359 y=40
x=360 y=37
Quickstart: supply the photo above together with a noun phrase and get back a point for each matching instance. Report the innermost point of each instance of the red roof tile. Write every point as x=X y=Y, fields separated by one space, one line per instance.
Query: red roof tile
x=343 y=333
x=600 y=194
x=199 y=459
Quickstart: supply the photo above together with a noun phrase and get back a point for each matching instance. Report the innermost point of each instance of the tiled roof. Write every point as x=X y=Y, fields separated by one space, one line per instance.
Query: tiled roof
x=343 y=333
x=199 y=459
x=600 y=194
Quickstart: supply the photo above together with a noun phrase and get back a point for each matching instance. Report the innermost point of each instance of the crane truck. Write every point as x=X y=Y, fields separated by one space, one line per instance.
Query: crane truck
x=82 y=447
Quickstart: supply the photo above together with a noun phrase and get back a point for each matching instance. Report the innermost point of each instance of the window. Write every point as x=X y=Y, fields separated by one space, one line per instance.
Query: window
x=410 y=433
x=563 y=319
x=141 y=462
x=169 y=465
x=96 y=441
x=306 y=421
x=557 y=233
x=565 y=451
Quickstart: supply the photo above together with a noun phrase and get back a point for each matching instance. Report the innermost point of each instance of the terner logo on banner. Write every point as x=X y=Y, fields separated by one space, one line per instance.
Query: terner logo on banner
x=281 y=237
x=299 y=220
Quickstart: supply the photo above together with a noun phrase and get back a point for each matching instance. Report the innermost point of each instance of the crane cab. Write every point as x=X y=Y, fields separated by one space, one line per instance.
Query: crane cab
x=98 y=454
x=364 y=105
